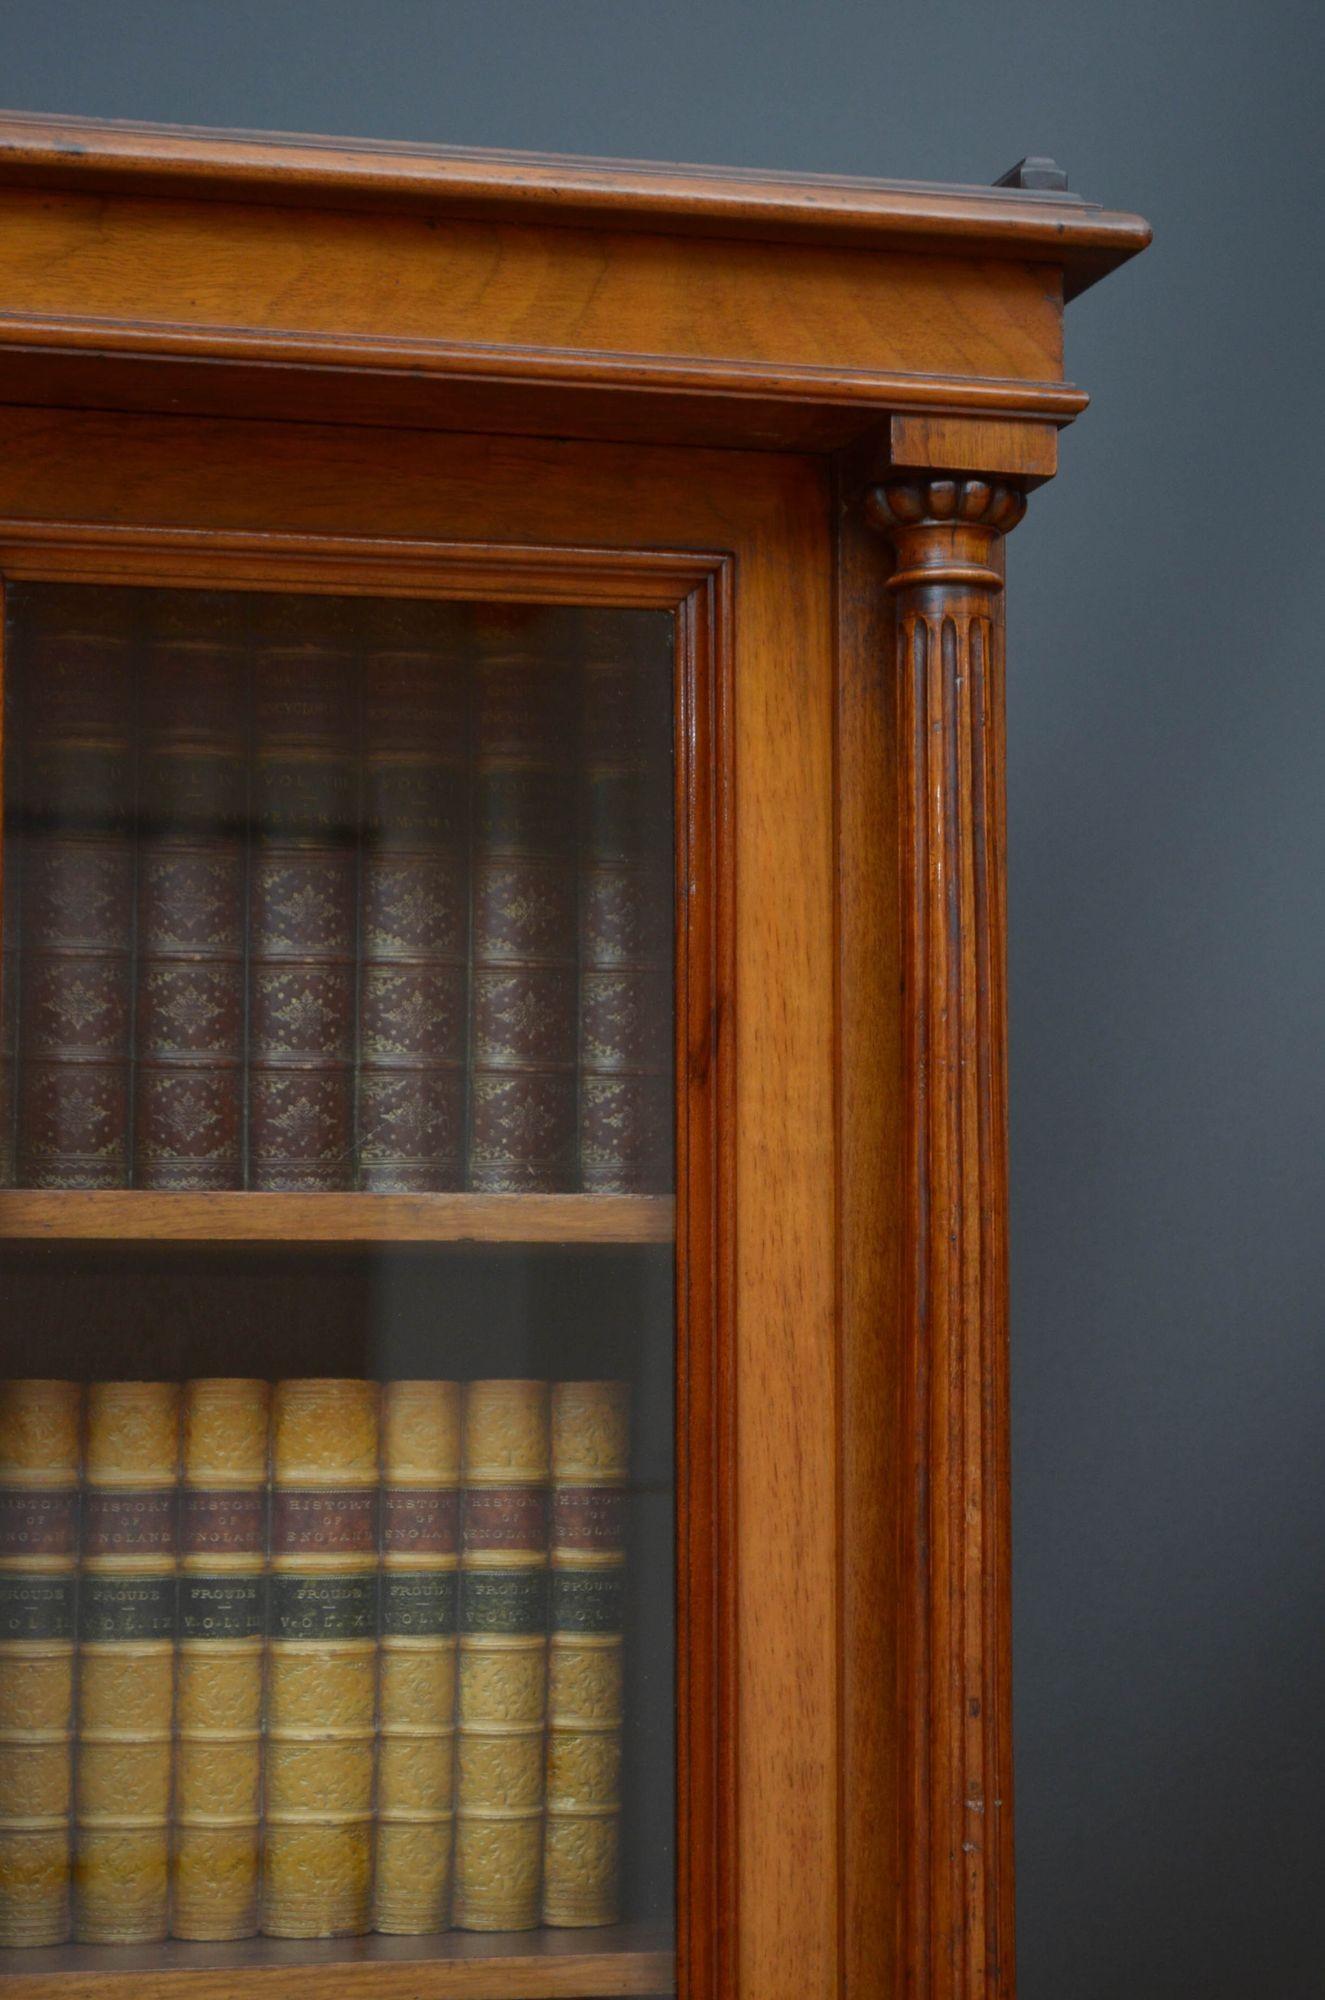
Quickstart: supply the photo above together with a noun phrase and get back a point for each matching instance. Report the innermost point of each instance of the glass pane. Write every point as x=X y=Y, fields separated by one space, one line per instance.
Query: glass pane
x=336 y=1456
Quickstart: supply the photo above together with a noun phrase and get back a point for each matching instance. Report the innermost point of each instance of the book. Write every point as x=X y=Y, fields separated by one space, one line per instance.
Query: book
x=71 y=647
x=39 y=1456
x=625 y=905
x=11 y=934
x=218 y=1693
x=189 y=973
x=126 y=1663
x=503 y=1657
x=417 y=1666
x=322 y=1660
x=590 y=1466
x=522 y=1114
x=414 y=921
x=303 y=897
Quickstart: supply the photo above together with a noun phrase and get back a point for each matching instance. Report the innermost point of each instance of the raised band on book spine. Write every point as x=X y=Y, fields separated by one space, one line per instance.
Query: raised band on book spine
x=39 y=1451
x=523 y=998
x=590 y=1466
x=503 y=1657
x=126 y=1663
x=322 y=1660
x=626 y=904
x=303 y=899
x=416 y=1687
x=414 y=926
x=218 y=1700
x=189 y=1025
x=76 y=803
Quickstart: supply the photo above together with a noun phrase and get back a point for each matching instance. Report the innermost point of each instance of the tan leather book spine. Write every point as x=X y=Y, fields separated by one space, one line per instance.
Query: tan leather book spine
x=126 y=1663
x=590 y=1467
x=503 y=1657
x=218 y=1695
x=39 y=1453
x=417 y=1665
x=321 y=1660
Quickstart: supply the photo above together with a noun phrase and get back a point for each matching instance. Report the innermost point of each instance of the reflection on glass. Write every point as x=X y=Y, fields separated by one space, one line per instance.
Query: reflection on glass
x=335 y=1581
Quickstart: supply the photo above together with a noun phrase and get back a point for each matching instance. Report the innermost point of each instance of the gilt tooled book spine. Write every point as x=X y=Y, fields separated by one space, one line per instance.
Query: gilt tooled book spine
x=11 y=936
x=414 y=925
x=322 y=1660
x=39 y=1456
x=71 y=653
x=417 y=1667
x=126 y=1663
x=218 y=1694
x=523 y=999
x=625 y=907
x=303 y=898
x=503 y=1658
x=590 y=1467
x=189 y=1000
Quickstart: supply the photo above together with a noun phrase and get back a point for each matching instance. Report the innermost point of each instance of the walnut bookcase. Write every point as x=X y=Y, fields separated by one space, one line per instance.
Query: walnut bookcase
x=798 y=416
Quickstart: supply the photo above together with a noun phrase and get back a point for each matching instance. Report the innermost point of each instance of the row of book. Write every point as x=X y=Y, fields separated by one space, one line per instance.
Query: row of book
x=303 y=893
x=309 y=1659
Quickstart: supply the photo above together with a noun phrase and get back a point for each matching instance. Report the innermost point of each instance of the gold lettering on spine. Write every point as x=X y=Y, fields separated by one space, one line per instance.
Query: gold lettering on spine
x=590 y=1463
x=322 y=1661
x=39 y=1450
x=218 y=1754
x=417 y=1664
x=503 y=1658
x=126 y=1664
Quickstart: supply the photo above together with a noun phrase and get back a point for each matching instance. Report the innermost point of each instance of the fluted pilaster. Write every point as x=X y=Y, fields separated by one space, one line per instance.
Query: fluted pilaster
x=958 y=1818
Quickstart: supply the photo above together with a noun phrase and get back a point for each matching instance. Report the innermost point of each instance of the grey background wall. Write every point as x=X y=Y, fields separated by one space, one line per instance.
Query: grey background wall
x=1167 y=744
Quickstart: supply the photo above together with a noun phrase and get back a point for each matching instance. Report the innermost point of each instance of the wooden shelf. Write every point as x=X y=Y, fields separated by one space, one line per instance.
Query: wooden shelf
x=142 y=1216
x=457 y=1965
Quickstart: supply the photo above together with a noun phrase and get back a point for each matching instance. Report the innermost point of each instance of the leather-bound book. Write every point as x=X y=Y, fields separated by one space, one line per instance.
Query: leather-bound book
x=11 y=936
x=303 y=897
x=523 y=1002
x=414 y=926
x=590 y=1466
x=126 y=1663
x=503 y=1657
x=416 y=1685
x=189 y=1025
x=626 y=903
x=322 y=1660
x=39 y=1453
x=71 y=650
x=222 y=1626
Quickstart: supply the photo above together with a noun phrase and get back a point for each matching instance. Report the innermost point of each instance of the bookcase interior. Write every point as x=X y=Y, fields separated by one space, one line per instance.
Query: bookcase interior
x=176 y=1311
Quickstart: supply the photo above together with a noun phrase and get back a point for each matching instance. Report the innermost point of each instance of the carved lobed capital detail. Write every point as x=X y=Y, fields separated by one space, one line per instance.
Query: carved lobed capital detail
x=943 y=529
x=939 y=501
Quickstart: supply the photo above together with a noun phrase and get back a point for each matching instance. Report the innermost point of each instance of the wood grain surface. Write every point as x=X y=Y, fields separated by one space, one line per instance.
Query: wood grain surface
x=456 y=1965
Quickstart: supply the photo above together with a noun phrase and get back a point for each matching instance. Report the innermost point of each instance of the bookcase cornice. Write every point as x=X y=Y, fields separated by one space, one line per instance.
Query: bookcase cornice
x=157 y=267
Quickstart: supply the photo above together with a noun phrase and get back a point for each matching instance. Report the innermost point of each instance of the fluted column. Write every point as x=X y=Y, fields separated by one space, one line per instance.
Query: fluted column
x=958 y=1819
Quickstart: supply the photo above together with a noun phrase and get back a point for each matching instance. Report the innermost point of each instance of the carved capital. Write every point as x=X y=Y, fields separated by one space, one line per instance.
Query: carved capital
x=944 y=528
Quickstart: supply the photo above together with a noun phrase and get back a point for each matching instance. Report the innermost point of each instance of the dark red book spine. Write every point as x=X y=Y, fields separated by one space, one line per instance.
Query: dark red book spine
x=414 y=907
x=523 y=990
x=625 y=907
x=11 y=952
x=189 y=1025
x=70 y=655
x=303 y=897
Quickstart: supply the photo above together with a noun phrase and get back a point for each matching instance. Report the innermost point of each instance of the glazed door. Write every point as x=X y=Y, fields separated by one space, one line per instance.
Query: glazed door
x=418 y=1436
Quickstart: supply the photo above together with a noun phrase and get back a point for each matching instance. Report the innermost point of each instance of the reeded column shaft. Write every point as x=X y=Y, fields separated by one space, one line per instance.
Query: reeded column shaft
x=950 y=692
